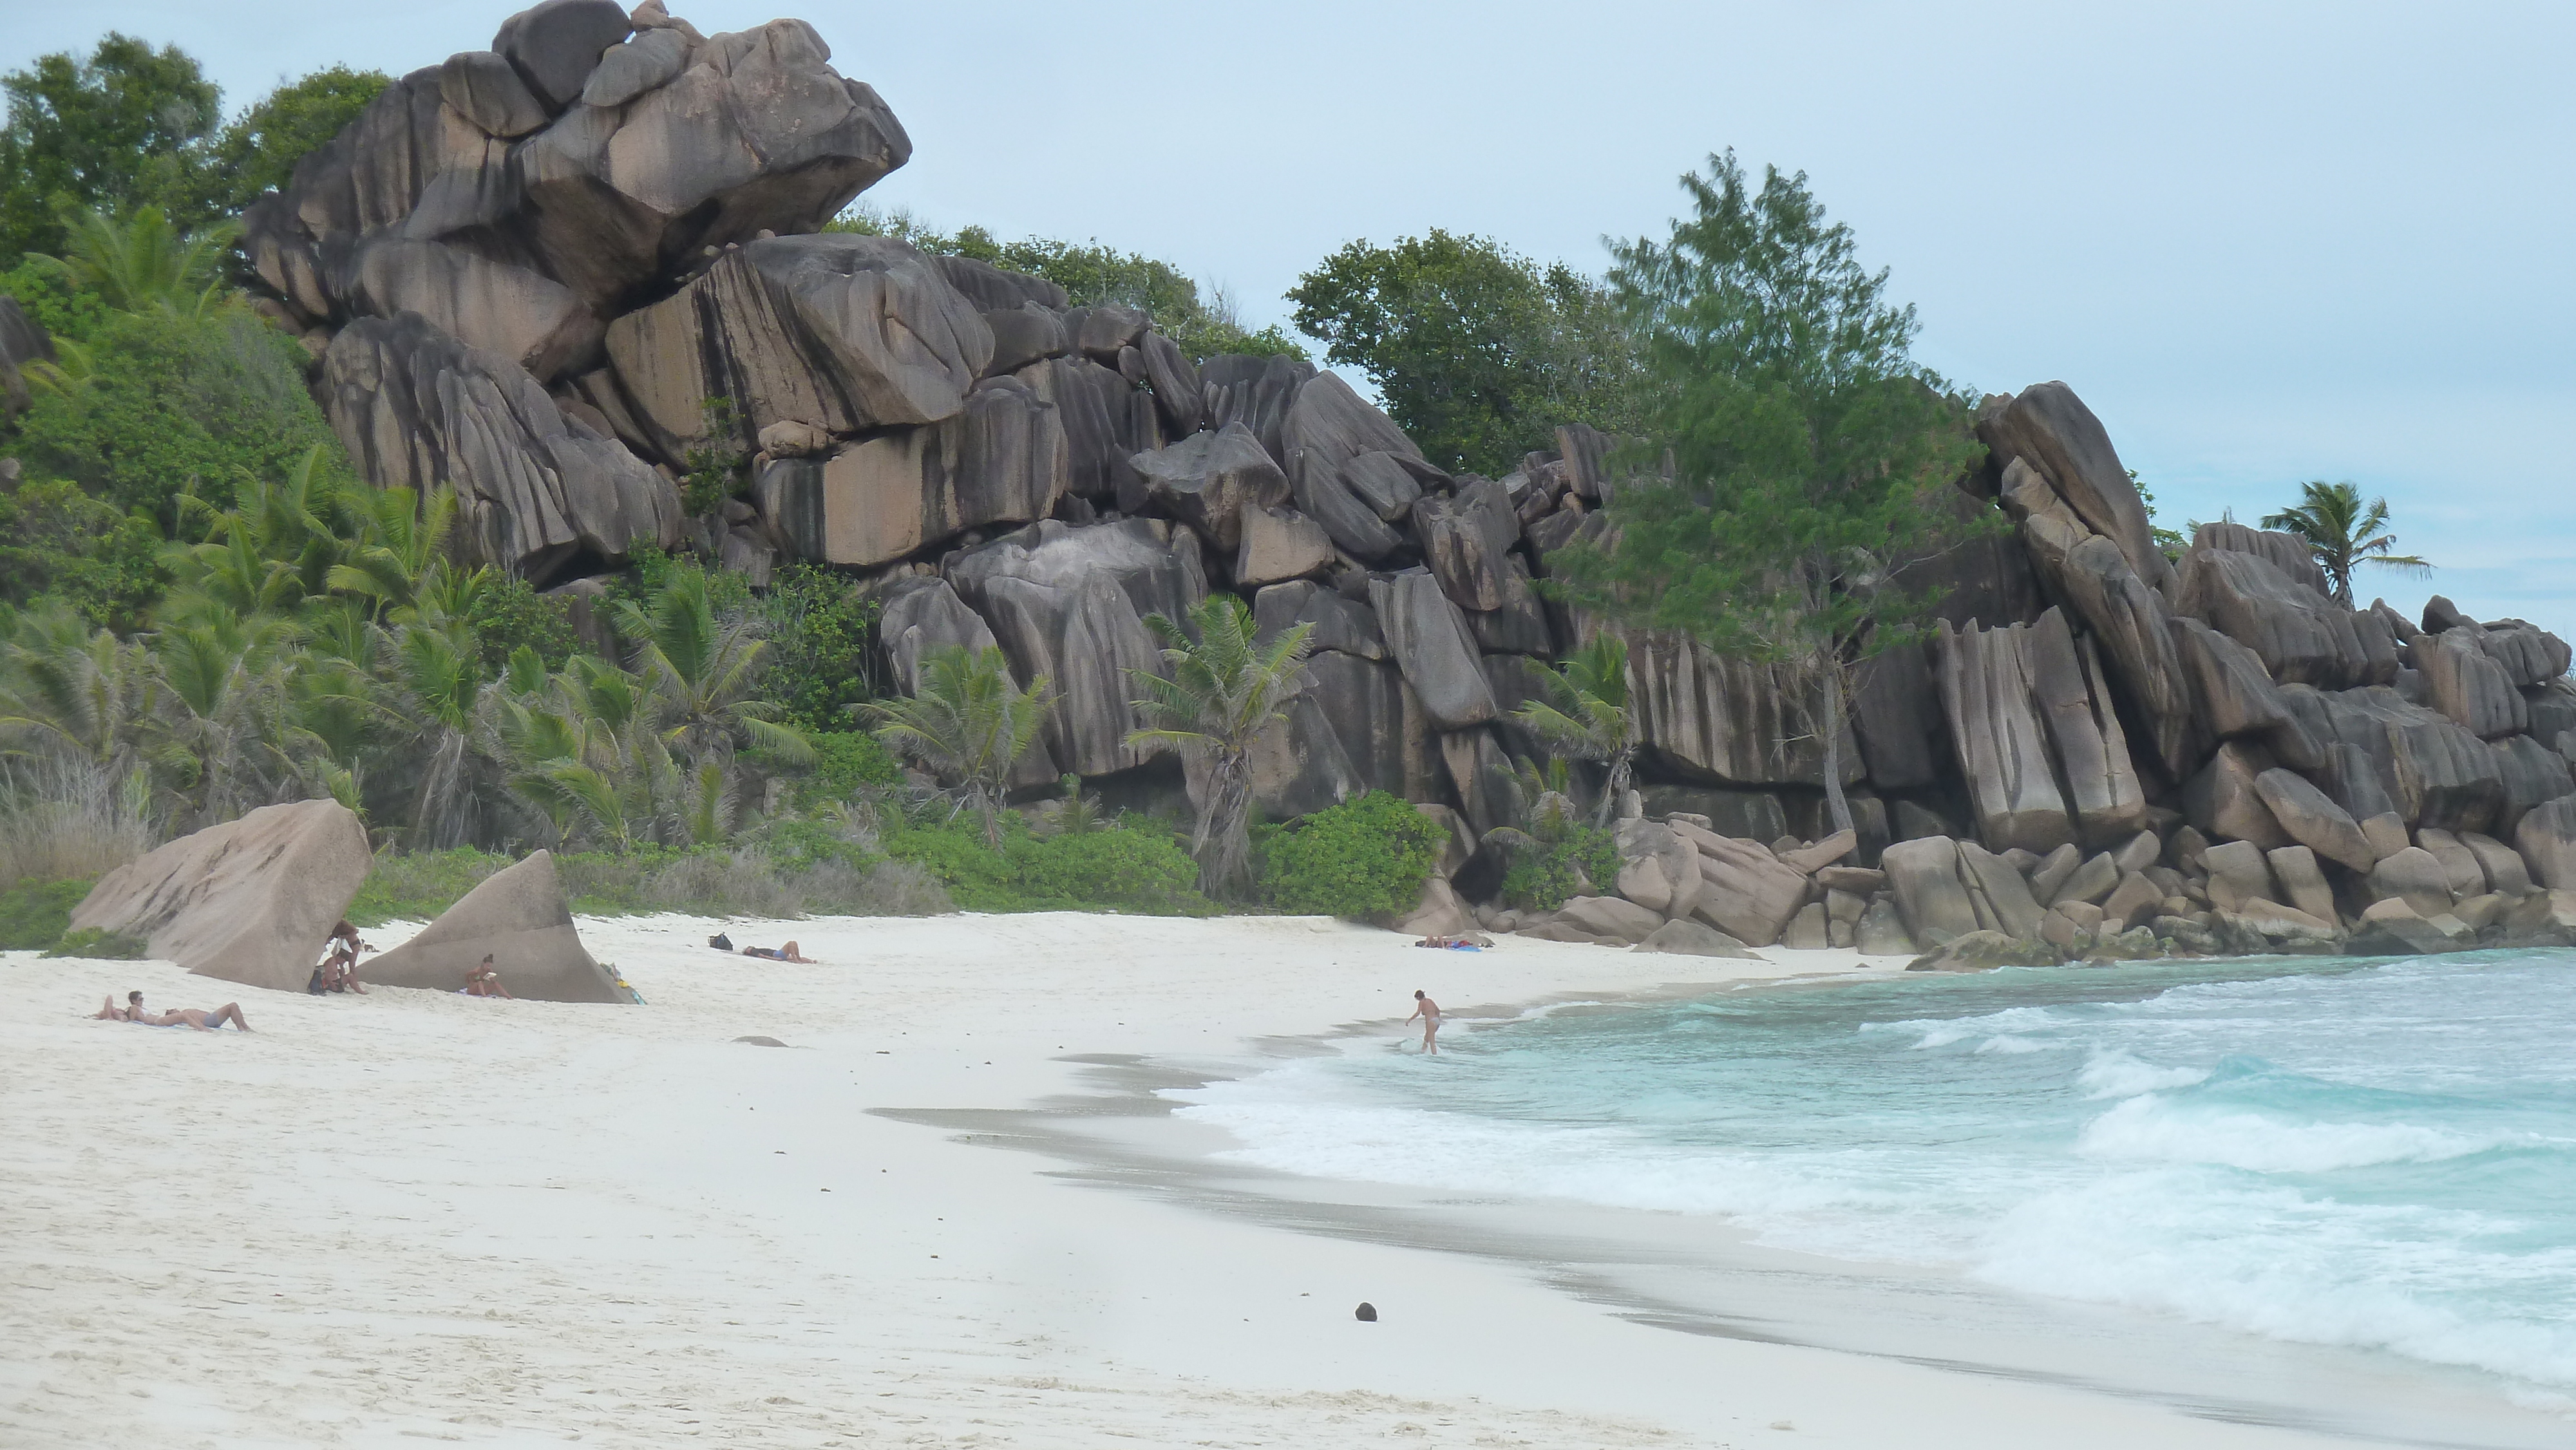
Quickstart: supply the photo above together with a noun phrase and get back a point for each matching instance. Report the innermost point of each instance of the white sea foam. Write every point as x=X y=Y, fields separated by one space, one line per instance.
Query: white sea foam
x=2152 y=1129
x=2117 y=1073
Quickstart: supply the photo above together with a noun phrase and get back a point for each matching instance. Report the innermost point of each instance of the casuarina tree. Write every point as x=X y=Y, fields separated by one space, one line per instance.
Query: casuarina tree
x=1224 y=689
x=1791 y=447
x=2341 y=531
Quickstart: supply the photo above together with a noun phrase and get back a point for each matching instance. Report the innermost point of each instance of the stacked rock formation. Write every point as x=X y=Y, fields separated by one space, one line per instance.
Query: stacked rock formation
x=527 y=273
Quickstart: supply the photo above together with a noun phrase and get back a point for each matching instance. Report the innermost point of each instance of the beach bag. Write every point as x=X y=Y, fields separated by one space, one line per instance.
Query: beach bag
x=720 y=942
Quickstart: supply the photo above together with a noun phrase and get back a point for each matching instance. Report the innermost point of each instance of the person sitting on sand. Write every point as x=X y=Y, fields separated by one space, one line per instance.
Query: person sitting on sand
x=484 y=981
x=787 y=953
x=1437 y=942
x=339 y=969
x=1429 y=1012
x=110 y=1012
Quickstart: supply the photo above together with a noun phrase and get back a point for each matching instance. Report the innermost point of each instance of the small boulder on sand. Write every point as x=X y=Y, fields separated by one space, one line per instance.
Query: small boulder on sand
x=520 y=916
x=248 y=901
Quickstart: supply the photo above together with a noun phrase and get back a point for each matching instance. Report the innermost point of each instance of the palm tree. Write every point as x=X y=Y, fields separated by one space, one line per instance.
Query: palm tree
x=141 y=263
x=1590 y=719
x=2340 y=532
x=227 y=727
x=69 y=690
x=700 y=671
x=969 y=722
x=1222 y=693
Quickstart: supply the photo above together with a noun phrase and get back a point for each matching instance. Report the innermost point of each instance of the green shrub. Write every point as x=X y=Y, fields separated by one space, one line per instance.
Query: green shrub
x=56 y=540
x=418 y=885
x=108 y=946
x=35 y=914
x=1365 y=858
x=818 y=662
x=847 y=762
x=1139 y=869
x=170 y=399
x=1541 y=879
x=509 y=612
x=1131 y=868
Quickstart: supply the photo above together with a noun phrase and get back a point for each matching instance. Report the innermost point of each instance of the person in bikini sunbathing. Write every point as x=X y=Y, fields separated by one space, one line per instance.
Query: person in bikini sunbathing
x=787 y=953
x=202 y=1021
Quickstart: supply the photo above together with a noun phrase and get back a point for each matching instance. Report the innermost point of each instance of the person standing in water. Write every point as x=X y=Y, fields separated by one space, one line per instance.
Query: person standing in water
x=1429 y=1012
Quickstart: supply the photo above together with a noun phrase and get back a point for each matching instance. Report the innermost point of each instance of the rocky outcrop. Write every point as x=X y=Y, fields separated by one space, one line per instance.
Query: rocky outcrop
x=843 y=332
x=1430 y=642
x=250 y=901
x=522 y=919
x=1070 y=604
x=534 y=484
x=1210 y=481
x=1001 y=460
x=2301 y=636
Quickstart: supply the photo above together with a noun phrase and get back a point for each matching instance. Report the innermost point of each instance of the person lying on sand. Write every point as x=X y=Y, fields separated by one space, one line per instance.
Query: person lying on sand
x=1429 y=1012
x=484 y=981
x=202 y=1021
x=787 y=953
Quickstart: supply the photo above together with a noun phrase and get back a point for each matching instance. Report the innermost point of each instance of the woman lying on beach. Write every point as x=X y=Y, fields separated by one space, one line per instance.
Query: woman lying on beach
x=787 y=953
x=134 y=1011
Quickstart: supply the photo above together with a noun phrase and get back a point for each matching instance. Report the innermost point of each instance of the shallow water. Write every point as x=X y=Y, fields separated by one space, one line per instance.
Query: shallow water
x=2380 y=1156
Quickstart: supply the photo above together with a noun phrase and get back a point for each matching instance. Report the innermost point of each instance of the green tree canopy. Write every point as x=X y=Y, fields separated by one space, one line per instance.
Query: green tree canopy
x=120 y=129
x=1479 y=352
x=258 y=149
x=1802 y=443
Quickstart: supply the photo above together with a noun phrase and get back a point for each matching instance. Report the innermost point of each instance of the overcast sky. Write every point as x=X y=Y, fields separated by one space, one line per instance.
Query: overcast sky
x=2266 y=243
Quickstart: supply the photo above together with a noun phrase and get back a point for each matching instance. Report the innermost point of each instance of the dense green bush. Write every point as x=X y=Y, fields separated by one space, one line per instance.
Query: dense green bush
x=66 y=313
x=35 y=914
x=847 y=762
x=170 y=400
x=1138 y=868
x=57 y=540
x=818 y=659
x=510 y=612
x=1364 y=858
x=1540 y=879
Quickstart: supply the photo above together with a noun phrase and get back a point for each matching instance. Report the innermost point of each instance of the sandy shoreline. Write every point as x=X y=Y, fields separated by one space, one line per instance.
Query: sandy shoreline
x=420 y=1216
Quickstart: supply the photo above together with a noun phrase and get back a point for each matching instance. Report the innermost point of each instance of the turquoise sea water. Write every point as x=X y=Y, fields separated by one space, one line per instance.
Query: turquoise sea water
x=2380 y=1156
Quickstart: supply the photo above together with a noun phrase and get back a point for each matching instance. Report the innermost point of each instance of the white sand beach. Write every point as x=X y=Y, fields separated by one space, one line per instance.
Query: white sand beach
x=410 y=1216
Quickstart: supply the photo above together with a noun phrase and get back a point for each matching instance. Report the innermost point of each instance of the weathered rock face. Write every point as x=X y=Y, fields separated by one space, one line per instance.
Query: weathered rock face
x=1925 y=877
x=1708 y=719
x=1209 y=481
x=1745 y=891
x=1001 y=460
x=1070 y=604
x=640 y=155
x=923 y=614
x=417 y=409
x=2435 y=771
x=521 y=917
x=2469 y=685
x=1351 y=470
x=2301 y=636
x=2051 y=429
x=843 y=332
x=1430 y=642
x=248 y=901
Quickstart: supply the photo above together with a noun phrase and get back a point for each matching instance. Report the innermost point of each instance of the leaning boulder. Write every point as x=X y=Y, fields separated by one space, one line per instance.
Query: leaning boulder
x=1685 y=937
x=249 y=901
x=1208 y=481
x=1929 y=894
x=521 y=918
x=2314 y=820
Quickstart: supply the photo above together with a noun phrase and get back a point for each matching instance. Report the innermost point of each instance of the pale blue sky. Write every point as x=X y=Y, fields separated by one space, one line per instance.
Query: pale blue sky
x=2264 y=242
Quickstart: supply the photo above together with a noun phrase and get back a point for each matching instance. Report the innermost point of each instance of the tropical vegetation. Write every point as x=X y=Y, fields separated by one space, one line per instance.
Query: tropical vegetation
x=2342 y=532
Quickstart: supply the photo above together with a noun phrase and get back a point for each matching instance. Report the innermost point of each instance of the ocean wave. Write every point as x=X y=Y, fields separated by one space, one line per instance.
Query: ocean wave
x=2117 y=1073
x=2151 y=1128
